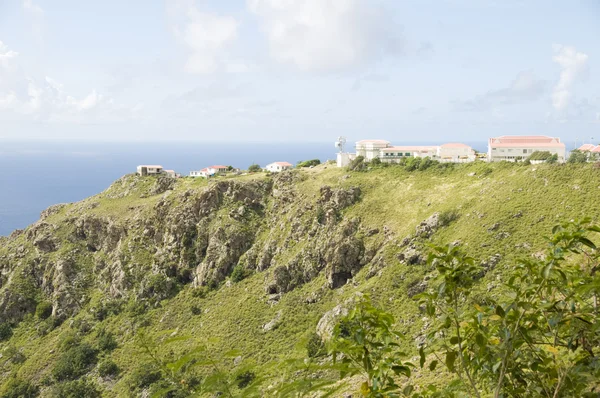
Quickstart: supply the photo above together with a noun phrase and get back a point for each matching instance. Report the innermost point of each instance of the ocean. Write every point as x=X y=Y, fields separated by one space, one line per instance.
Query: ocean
x=36 y=175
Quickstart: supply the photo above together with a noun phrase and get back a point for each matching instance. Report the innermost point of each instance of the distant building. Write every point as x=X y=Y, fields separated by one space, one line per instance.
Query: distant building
x=456 y=152
x=277 y=167
x=514 y=148
x=371 y=149
x=452 y=152
x=209 y=171
x=592 y=151
x=172 y=173
x=145 y=170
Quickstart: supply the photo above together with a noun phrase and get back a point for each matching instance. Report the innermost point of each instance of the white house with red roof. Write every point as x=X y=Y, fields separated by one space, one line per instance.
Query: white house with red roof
x=277 y=167
x=209 y=171
x=593 y=151
x=451 y=152
x=514 y=148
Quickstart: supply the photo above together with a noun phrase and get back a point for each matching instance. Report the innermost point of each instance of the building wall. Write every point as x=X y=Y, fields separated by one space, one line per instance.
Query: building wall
x=511 y=154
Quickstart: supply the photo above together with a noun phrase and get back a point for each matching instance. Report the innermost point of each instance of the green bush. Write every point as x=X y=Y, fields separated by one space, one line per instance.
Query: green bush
x=43 y=310
x=74 y=363
x=308 y=163
x=540 y=155
x=200 y=292
x=254 y=168
x=108 y=368
x=412 y=164
x=358 y=164
x=106 y=340
x=196 y=309
x=448 y=216
x=552 y=159
x=375 y=162
x=244 y=379
x=159 y=287
x=144 y=376
x=578 y=156
x=314 y=346
x=5 y=331
x=19 y=388
x=76 y=389
x=240 y=273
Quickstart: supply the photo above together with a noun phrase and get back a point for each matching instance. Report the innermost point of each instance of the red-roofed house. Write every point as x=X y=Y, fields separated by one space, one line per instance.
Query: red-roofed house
x=277 y=167
x=513 y=148
x=587 y=148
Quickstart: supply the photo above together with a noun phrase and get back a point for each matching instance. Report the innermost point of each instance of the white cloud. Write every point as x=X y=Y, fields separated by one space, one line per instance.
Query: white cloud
x=324 y=35
x=29 y=6
x=525 y=87
x=206 y=35
x=6 y=55
x=573 y=66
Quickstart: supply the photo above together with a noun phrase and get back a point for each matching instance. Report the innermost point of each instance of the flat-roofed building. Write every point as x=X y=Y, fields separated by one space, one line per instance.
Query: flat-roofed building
x=371 y=149
x=515 y=148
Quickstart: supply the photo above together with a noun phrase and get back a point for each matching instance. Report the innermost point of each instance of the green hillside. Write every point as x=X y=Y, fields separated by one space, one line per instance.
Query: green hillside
x=246 y=267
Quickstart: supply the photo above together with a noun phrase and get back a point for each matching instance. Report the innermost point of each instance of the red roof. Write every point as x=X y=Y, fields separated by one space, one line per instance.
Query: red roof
x=218 y=167
x=515 y=141
x=596 y=149
x=587 y=147
x=284 y=164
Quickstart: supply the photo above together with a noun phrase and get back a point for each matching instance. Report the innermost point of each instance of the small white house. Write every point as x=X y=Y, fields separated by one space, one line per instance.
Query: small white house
x=277 y=167
x=145 y=170
x=209 y=171
x=371 y=149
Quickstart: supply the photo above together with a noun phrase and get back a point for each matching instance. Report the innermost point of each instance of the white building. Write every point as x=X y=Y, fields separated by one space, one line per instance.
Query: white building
x=209 y=171
x=371 y=149
x=455 y=152
x=172 y=174
x=277 y=167
x=513 y=148
x=393 y=154
x=145 y=169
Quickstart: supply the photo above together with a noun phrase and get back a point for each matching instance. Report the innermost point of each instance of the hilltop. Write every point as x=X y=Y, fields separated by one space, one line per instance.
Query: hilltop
x=256 y=263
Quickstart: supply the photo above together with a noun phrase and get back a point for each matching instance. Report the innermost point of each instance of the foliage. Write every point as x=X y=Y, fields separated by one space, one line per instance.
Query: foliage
x=577 y=156
x=540 y=155
x=254 y=168
x=375 y=162
x=82 y=388
x=540 y=339
x=244 y=379
x=358 y=164
x=5 y=331
x=552 y=159
x=106 y=340
x=108 y=368
x=315 y=347
x=308 y=163
x=75 y=362
x=144 y=375
x=448 y=216
x=364 y=344
x=240 y=273
x=196 y=309
x=19 y=388
x=43 y=310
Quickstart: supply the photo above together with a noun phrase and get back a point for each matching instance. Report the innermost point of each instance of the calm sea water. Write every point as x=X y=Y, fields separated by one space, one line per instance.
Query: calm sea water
x=34 y=176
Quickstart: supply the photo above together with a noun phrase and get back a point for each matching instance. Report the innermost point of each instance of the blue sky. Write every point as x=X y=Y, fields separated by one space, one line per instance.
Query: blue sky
x=298 y=70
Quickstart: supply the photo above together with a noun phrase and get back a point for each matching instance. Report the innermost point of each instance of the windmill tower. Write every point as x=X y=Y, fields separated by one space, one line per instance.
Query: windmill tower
x=343 y=157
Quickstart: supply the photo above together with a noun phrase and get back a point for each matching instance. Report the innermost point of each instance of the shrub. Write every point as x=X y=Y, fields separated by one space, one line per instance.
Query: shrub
x=314 y=346
x=136 y=308
x=244 y=379
x=200 y=292
x=413 y=164
x=552 y=159
x=375 y=162
x=75 y=362
x=426 y=163
x=239 y=273
x=159 y=287
x=43 y=310
x=578 y=156
x=358 y=164
x=19 y=388
x=254 y=168
x=196 y=310
x=76 y=389
x=106 y=340
x=308 y=163
x=5 y=331
x=144 y=376
x=108 y=368
x=14 y=355
x=448 y=216
x=68 y=341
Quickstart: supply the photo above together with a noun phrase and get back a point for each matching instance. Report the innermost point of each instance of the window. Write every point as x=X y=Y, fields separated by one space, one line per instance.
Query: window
x=524 y=150
x=407 y=154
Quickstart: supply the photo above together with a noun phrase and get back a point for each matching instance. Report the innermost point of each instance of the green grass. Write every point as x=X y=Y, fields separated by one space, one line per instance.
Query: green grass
x=525 y=202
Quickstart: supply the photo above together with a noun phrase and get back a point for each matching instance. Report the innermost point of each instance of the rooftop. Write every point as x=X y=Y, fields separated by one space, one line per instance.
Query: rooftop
x=283 y=164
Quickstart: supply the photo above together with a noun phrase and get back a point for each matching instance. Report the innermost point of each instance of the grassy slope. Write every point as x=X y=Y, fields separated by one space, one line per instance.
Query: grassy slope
x=233 y=316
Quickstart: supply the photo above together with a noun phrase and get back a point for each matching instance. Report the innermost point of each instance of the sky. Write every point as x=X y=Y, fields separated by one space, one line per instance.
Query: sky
x=299 y=70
